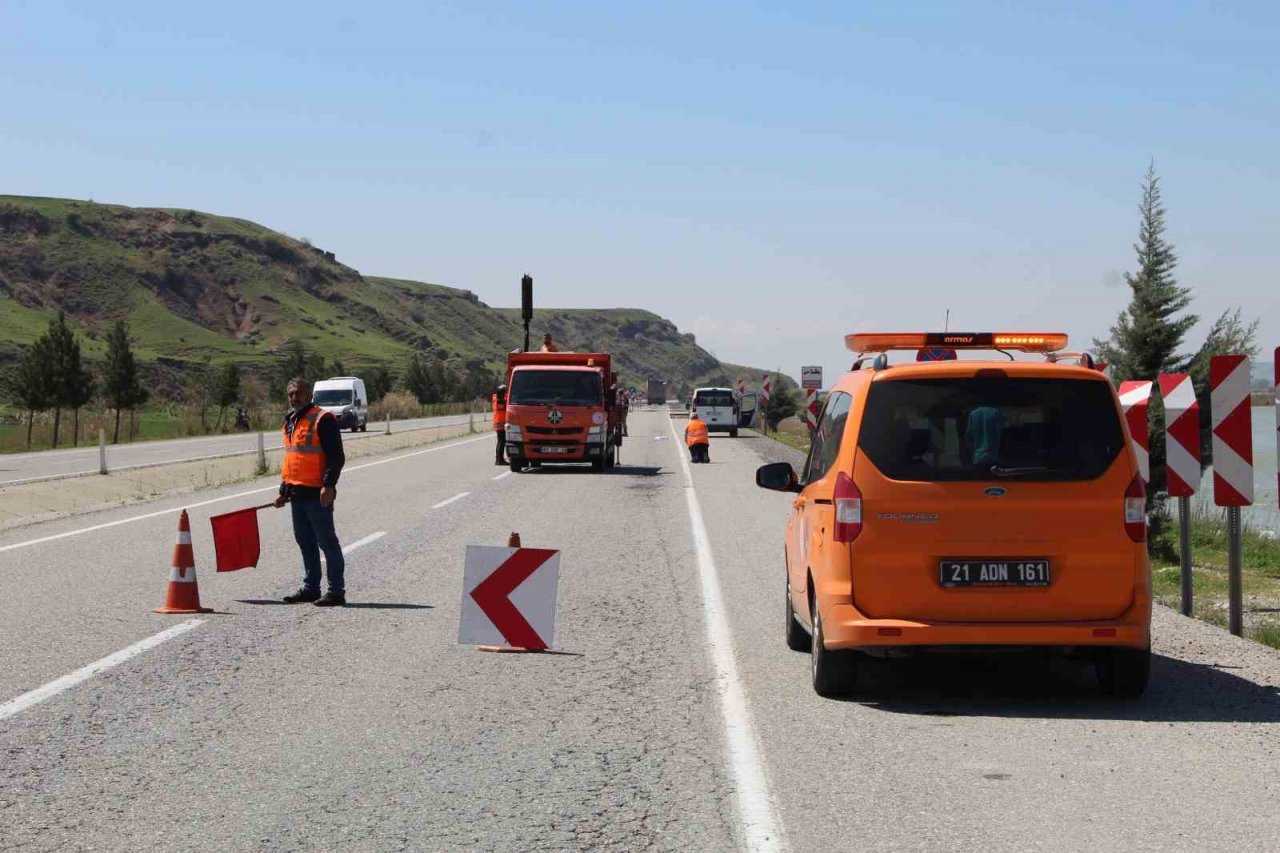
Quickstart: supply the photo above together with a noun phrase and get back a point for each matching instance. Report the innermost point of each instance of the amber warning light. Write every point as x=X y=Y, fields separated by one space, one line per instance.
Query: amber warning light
x=1022 y=341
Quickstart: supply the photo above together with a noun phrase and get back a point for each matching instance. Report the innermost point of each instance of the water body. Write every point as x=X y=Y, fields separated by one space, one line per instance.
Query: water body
x=1265 y=513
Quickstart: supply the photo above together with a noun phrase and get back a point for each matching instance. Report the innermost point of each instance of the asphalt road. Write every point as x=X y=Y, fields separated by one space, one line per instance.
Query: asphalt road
x=368 y=728
x=26 y=467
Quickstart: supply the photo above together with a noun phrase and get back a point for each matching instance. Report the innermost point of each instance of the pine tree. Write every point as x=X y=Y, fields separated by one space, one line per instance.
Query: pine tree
x=78 y=387
x=62 y=349
x=379 y=384
x=1147 y=335
x=417 y=381
x=120 y=382
x=226 y=390
x=31 y=383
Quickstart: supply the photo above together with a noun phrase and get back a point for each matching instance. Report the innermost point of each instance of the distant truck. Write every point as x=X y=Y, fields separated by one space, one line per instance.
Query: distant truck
x=657 y=392
x=346 y=399
x=561 y=408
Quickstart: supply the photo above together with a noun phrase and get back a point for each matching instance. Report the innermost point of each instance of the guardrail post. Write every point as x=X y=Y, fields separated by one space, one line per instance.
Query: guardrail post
x=1184 y=542
x=102 y=451
x=262 y=454
x=388 y=423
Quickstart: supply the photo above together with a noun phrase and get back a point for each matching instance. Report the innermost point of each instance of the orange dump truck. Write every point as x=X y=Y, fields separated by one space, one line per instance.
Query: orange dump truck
x=560 y=408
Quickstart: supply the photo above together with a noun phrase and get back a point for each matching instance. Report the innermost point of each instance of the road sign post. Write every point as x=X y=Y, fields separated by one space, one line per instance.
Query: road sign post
x=1232 y=464
x=1182 y=463
x=102 y=451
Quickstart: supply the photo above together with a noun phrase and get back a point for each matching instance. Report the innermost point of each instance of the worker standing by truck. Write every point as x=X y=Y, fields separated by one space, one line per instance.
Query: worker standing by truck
x=500 y=423
x=698 y=438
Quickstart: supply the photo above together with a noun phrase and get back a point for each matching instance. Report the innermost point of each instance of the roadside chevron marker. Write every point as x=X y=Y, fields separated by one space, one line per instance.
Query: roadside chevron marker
x=1232 y=430
x=509 y=597
x=1182 y=427
x=1135 y=398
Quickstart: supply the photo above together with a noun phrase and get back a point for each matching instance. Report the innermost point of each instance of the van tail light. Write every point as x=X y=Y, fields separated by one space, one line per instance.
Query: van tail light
x=1135 y=510
x=848 y=501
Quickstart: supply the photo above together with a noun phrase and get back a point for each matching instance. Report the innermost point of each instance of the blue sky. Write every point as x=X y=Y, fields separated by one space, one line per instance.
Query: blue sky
x=769 y=176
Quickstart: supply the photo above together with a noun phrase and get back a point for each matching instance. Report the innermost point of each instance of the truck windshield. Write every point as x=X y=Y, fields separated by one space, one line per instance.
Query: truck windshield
x=332 y=397
x=713 y=398
x=555 y=388
x=991 y=429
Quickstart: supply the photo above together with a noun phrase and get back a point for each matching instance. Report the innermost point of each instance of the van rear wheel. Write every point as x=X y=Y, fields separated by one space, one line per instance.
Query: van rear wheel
x=1123 y=672
x=834 y=671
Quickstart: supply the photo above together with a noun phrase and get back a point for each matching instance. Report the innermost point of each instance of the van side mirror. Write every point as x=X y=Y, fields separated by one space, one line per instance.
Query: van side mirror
x=778 y=476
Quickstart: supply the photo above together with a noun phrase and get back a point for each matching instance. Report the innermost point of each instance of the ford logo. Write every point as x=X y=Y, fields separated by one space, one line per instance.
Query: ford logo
x=994 y=492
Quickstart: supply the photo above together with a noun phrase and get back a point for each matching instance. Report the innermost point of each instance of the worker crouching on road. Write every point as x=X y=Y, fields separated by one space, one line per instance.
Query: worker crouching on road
x=313 y=459
x=698 y=439
x=500 y=423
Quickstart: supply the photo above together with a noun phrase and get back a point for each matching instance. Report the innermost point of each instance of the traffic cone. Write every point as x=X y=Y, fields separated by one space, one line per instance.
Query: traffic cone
x=184 y=593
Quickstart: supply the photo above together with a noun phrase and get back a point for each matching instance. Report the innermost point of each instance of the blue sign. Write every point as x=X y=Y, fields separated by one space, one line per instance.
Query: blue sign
x=936 y=354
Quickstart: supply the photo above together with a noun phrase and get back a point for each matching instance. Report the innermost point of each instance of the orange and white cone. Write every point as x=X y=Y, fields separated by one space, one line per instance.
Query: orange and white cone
x=184 y=592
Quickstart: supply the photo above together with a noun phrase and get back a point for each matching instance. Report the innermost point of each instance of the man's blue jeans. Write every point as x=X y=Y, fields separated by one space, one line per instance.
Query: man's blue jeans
x=313 y=530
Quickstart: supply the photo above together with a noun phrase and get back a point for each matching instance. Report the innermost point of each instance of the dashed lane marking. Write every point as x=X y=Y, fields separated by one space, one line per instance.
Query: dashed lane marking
x=760 y=829
x=459 y=496
x=66 y=682
x=503 y=475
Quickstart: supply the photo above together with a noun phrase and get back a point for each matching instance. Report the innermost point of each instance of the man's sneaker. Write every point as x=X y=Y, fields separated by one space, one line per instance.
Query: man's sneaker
x=302 y=596
x=332 y=599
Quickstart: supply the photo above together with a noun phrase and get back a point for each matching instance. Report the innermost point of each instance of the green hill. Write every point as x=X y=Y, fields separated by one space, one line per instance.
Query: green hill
x=196 y=286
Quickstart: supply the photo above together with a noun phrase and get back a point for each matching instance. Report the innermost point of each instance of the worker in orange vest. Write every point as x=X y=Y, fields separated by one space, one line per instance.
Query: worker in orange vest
x=313 y=459
x=698 y=439
x=500 y=423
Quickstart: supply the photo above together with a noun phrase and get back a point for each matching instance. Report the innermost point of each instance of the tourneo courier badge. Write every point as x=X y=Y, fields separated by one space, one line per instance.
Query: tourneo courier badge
x=994 y=492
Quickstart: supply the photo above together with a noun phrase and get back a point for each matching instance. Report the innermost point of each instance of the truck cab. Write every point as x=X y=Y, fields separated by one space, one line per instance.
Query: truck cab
x=561 y=409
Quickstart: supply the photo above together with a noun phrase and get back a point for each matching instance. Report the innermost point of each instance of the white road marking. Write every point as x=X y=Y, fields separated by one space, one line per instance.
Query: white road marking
x=53 y=688
x=503 y=475
x=459 y=496
x=272 y=488
x=761 y=830
x=372 y=537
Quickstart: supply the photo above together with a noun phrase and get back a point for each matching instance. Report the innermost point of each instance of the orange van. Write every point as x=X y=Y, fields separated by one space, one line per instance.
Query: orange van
x=968 y=503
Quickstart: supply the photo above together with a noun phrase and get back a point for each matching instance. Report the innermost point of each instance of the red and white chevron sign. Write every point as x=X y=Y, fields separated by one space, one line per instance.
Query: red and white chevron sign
x=509 y=597
x=766 y=385
x=1232 y=430
x=811 y=408
x=1135 y=397
x=1182 y=427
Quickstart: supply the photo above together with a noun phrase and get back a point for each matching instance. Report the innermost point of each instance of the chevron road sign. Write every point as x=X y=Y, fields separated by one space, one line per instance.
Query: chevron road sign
x=1182 y=426
x=1232 y=430
x=509 y=597
x=1135 y=397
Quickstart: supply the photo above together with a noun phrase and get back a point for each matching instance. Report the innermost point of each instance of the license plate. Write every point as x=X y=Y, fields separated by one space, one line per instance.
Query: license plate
x=553 y=450
x=953 y=573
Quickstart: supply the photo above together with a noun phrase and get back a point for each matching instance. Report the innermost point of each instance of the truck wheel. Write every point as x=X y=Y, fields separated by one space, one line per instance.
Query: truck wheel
x=733 y=433
x=515 y=465
x=597 y=465
x=833 y=672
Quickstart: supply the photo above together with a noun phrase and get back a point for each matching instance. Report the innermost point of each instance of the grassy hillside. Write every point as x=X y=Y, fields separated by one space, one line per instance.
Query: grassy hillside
x=195 y=286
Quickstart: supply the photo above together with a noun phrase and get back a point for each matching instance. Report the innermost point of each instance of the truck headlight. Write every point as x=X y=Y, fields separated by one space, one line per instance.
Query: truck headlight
x=595 y=431
x=513 y=433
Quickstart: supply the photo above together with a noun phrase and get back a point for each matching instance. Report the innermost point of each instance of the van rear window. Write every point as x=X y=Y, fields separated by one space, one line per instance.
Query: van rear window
x=713 y=398
x=991 y=429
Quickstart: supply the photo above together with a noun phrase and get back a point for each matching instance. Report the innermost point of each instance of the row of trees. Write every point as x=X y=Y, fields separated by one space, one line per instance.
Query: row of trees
x=51 y=374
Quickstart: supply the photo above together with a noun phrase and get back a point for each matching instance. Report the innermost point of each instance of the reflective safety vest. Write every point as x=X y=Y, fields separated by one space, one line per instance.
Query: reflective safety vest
x=499 y=413
x=303 y=455
x=696 y=433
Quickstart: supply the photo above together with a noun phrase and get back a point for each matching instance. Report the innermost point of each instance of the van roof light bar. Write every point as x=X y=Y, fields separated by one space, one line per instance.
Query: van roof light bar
x=1045 y=342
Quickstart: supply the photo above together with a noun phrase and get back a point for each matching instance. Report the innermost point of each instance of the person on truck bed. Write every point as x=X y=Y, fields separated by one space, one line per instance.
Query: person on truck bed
x=698 y=439
x=549 y=344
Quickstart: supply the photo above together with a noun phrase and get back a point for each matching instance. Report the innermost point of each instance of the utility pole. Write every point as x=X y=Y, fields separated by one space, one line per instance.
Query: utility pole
x=526 y=305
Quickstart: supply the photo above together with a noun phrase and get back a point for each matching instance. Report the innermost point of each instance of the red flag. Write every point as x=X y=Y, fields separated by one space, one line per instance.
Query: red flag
x=235 y=539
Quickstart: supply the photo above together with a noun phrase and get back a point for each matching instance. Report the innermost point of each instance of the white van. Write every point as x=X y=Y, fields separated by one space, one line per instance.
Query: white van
x=718 y=409
x=346 y=398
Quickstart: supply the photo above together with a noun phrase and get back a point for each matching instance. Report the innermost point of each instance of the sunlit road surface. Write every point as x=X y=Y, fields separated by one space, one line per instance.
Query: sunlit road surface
x=25 y=467
x=269 y=727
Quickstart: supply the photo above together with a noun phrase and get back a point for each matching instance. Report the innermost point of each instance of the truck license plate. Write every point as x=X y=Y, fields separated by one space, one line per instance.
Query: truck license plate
x=553 y=450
